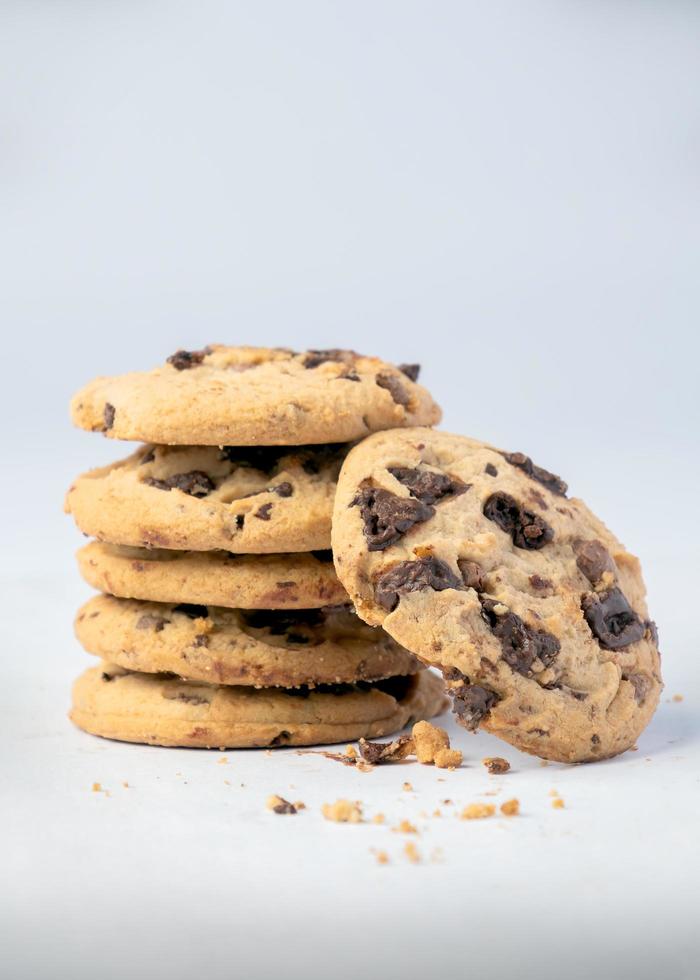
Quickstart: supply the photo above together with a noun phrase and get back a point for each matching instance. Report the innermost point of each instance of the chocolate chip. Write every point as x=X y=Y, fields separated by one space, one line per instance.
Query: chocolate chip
x=414 y=576
x=471 y=703
x=195 y=483
x=108 y=416
x=472 y=574
x=410 y=370
x=539 y=583
x=107 y=677
x=641 y=684
x=201 y=640
x=377 y=753
x=592 y=559
x=394 y=387
x=527 y=529
x=183 y=360
x=149 y=621
x=348 y=376
x=283 y=489
x=521 y=645
x=192 y=610
x=428 y=486
x=547 y=479
x=595 y=739
x=388 y=517
x=611 y=619
x=490 y=469
x=263 y=512
x=316 y=357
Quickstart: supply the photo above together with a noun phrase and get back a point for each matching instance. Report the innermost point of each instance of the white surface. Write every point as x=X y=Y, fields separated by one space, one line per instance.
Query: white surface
x=505 y=191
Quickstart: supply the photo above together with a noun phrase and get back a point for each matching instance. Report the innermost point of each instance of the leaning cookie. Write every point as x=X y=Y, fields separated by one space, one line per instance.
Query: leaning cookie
x=255 y=396
x=160 y=710
x=255 y=500
x=213 y=578
x=260 y=648
x=477 y=561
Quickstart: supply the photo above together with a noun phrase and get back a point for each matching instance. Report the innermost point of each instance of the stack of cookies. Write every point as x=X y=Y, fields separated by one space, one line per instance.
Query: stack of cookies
x=221 y=621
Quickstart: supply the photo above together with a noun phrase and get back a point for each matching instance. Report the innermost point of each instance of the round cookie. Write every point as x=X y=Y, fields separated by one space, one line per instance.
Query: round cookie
x=476 y=561
x=160 y=710
x=212 y=578
x=253 y=396
x=259 y=648
x=255 y=500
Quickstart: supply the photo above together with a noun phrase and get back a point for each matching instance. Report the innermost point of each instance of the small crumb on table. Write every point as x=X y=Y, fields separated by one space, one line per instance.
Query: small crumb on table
x=477 y=811
x=279 y=805
x=511 y=808
x=343 y=811
x=495 y=765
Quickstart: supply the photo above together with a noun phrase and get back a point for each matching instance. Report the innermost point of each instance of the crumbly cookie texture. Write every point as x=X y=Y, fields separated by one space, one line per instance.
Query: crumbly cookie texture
x=158 y=709
x=248 y=500
x=478 y=562
x=260 y=648
x=253 y=396
x=212 y=578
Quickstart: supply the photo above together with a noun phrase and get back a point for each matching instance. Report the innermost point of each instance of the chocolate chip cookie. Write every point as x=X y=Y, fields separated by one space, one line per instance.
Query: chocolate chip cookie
x=254 y=396
x=249 y=500
x=159 y=709
x=213 y=578
x=258 y=648
x=479 y=562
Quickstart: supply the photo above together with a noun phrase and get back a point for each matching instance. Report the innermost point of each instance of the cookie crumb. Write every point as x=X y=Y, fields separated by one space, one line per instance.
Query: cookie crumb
x=511 y=808
x=558 y=803
x=380 y=752
x=677 y=697
x=381 y=856
x=496 y=765
x=363 y=766
x=222 y=761
x=448 y=759
x=447 y=802
x=437 y=813
x=378 y=818
x=298 y=805
x=342 y=811
x=405 y=827
x=407 y=788
x=477 y=811
x=350 y=752
x=126 y=785
x=411 y=852
x=279 y=805
x=97 y=787
x=432 y=745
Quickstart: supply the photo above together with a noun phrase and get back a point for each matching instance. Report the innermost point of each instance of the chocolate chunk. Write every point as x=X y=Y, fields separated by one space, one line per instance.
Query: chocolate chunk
x=547 y=479
x=410 y=370
x=283 y=489
x=388 y=517
x=183 y=360
x=108 y=415
x=592 y=559
x=149 y=621
x=263 y=512
x=521 y=645
x=284 y=806
x=316 y=357
x=195 y=483
x=414 y=576
x=377 y=753
x=527 y=529
x=471 y=703
x=107 y=677
x=641 y=684
x=490 y=469
x=611 y=619
x=426 y=485
x=472 y=574
x=394 y=387
x=539 y=583
x=191 y=610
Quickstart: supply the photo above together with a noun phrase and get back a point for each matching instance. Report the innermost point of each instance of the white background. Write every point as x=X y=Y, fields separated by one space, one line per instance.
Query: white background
x=507 y=192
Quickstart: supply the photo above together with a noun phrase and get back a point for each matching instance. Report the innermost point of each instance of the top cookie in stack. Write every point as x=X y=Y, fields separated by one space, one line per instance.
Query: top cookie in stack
x=229 y=506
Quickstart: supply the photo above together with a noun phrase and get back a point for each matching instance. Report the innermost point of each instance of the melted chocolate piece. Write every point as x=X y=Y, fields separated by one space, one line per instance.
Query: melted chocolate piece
x=547 y=479
x=263 y=512
x=592 y=559
x=316 y=357
x=521 y=645
x=192 y=610
x=539 y=583
x=149 y=621
x=470 y=702
x=388 y=517
x=410 y=370
x=428 y=486
x=394 y=387
x=490 y=469
x=527 y=529
x=283 y=489
x=108 y=415
x=414 y=576
x=472 y=574
x=377 y=753
x=195 y=483
x=611 y=619
x=183 y=360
